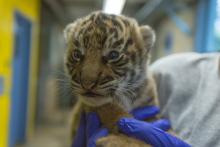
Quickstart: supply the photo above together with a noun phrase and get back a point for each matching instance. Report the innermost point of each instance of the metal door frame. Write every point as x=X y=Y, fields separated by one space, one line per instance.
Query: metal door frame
x=20 y=79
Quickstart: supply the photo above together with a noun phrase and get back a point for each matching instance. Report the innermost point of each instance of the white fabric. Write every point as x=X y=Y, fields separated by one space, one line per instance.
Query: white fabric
x=189 y=94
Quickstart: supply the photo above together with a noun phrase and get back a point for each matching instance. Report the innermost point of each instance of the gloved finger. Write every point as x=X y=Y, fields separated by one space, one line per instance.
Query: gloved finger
x=80 y=138
x=162 y=124
x=143 y=113
x=98 y=134
x=149 y=134
x=92 y=124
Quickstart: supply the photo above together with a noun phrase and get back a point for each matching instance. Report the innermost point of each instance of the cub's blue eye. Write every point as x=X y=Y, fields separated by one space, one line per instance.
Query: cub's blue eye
x=113 y=55
x=77 y=55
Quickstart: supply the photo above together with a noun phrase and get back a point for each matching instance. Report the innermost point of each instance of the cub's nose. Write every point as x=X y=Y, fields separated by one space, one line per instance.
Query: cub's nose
x=89 y=84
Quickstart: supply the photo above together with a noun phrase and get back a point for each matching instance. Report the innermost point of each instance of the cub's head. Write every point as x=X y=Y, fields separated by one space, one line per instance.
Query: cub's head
x=106 y=56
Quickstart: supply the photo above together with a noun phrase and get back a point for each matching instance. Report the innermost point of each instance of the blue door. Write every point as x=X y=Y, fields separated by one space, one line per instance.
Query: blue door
x=19 y=95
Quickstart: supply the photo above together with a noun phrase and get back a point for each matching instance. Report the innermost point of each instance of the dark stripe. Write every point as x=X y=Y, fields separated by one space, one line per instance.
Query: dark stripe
x=104 y=60
x=117 y=24
x=136 y=78
x=116 y=34
x=128 y=43
x=75 y=79
x=106 y=80
x=112 y=16
x=140 y=52
x=132 y=74
x=71 y=59
x=92 y=17
x=104 y=17
x=97 y=80
x=76 y=43
x=117 y=43
x=69 y=67
x=98 y=21
x=86 y=41
x=110 y=39
x=81 y=32
x=75 y=85
x=137 y=90
x=122 y=63
x=90 y=27
x=112 y=30
x=80 y=78
x=118 y=72
x=107 y=86
x=103 y=29
x=125 y=22
x=84 y=23
x=104 y=38
x=133 y=57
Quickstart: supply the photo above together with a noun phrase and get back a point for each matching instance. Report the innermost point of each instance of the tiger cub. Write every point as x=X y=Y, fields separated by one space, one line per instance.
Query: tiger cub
x=106 y=59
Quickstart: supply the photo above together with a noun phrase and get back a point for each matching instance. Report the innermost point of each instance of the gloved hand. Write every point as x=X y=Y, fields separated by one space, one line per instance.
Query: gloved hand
x=143 y=113
x=89 y=130
x=152 y=134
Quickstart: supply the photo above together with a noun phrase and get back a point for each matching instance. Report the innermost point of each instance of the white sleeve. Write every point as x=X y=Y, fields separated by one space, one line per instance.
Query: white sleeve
x=188 y=88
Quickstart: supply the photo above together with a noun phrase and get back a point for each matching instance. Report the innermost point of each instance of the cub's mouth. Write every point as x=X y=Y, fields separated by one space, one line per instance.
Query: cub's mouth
x=91 y=94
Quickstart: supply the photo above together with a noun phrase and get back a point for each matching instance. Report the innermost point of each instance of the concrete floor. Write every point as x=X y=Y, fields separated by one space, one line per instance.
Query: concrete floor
x=52 y=134
x=48 y=136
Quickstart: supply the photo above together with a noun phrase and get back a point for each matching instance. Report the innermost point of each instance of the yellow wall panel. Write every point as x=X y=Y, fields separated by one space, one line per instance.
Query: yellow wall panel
x=5 y=70
x=30 y=8
x=4 y=121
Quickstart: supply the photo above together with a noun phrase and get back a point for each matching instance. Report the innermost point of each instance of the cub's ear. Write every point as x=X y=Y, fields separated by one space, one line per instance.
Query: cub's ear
x=68 y=31
x=148 y=37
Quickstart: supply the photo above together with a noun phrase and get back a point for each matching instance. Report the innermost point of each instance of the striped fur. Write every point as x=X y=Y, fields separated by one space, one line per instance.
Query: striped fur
x=95 y=36
x=120 y=81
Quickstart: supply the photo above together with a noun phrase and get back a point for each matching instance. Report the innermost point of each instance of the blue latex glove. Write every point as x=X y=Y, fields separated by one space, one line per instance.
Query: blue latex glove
x=149 y=133
x=89 y=131
x=143 y=113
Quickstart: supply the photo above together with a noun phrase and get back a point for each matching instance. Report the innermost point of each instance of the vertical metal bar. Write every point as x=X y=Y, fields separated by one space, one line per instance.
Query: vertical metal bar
x=199 y=26
x=210 y=25
x=204 y=38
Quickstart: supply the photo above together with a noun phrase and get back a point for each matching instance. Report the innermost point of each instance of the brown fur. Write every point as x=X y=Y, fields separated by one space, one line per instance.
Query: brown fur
x=120 y=140
x=109 y=114
x=122 y=84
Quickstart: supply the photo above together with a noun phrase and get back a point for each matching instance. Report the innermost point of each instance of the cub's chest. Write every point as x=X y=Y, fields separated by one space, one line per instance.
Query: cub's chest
x=109 y=115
